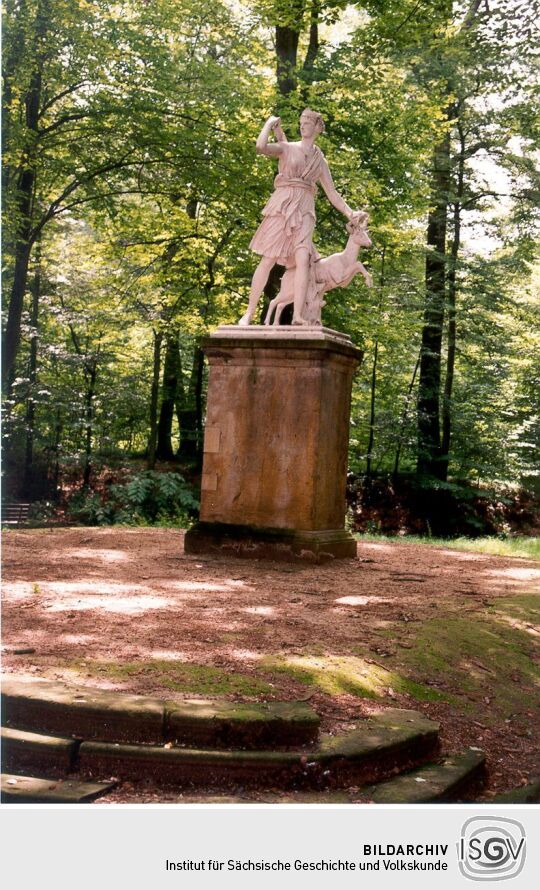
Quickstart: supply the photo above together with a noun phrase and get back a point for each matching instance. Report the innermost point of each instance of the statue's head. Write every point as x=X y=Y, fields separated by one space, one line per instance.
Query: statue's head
x=311 y=123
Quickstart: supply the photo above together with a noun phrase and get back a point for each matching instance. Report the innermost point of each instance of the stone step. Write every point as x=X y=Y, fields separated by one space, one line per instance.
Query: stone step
x=43 y=706
x=432 y=783
x=32 y=752
x=85 y=713
x=524 y=794
x=396 y=739
x=249 y=725
x=444 y=781
x=31 y=789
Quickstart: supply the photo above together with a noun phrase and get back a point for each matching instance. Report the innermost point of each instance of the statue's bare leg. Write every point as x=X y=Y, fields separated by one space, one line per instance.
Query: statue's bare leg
x=301 y=277
x=260 y=278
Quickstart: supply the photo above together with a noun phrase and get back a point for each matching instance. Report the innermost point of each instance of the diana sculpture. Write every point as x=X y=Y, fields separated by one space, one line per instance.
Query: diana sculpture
x=285 y=234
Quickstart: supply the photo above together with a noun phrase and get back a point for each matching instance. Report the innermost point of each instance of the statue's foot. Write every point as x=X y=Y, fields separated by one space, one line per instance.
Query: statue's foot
x=298 y=320
x=245 y=320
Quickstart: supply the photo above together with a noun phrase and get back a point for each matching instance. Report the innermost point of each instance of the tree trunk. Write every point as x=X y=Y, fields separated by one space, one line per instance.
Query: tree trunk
x=154 y=397
x=429 y=443
x=89 y=418
x=199 y=406
x=452 y=332
x=371 y=438
x=372 y=411
x=312 y=48
x=32 y=374
x=287 y=57
x=58 y=430
x=24 y=201
x=404 y=418
x=169 y=397
x=190 y=413
x=12 y=334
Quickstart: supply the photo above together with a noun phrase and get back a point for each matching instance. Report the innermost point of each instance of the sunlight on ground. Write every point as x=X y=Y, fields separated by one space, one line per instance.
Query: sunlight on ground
x=168 y=655
x=100 y=554
x=76 y=588
x=245 y=655
x=119 y=604
x=200 y=585
x=361 y=600
x=464 y=557
x=517 y=573
x=366 y=546
x=78 y=639
x=259 y=610
x=18 y=590
x=350 y=674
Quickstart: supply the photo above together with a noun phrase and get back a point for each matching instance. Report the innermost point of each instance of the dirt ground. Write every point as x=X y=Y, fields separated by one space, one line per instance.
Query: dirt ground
x=447 y=632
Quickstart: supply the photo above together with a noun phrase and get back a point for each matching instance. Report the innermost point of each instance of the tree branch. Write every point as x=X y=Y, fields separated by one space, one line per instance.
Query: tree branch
x=61 y=95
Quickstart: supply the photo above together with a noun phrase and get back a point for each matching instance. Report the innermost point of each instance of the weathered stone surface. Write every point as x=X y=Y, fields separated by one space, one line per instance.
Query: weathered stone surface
x=29 y=789
x=367 y=753
x=276 y=442
x=286 y=333
x=81 y=712
x=241 y=725
x=111 y=716
x=276 y=544
x=29 y=751
x=392 y=730
x=434 y=782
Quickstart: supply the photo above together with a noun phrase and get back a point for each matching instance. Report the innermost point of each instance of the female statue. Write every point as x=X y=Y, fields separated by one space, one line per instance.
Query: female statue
x=285 y=234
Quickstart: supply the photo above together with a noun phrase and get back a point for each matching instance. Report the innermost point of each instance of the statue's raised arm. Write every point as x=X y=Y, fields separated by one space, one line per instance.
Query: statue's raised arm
x=285 y=234
x=263 y=146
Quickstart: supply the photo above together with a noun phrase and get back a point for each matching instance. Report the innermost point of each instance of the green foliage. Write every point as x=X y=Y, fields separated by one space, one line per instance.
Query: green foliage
x=149 y=498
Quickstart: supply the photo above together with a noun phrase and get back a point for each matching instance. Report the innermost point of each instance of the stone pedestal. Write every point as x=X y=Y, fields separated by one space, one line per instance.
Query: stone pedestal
x=276 y=440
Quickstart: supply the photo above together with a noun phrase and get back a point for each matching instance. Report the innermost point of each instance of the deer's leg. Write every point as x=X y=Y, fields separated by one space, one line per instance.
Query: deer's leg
x=367 y=277
x=301 y=278
x=271 y=306
x=279 y=310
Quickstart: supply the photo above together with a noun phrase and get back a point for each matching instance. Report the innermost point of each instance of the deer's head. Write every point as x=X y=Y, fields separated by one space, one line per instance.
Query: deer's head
x=358 y=231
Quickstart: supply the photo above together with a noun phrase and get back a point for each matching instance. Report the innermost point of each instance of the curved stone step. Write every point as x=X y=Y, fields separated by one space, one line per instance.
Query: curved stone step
x=44 y=706
x=31 y=789
x=395 y=739
x=246 y=725
x=84 y=713
x=32 y=752
x=433 y=782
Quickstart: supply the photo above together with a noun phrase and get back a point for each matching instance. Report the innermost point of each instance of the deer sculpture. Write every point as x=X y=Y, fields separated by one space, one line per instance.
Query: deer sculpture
x=326 y=273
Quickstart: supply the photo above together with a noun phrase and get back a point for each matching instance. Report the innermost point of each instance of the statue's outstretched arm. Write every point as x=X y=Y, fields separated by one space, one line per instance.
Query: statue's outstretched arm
x=271 y=149
x=332 y=194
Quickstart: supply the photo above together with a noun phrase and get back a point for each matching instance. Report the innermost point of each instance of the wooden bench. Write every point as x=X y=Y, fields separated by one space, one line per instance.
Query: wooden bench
x=15 y=513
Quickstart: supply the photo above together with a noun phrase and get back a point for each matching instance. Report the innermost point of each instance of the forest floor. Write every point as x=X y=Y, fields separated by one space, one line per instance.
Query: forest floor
x=451 y=633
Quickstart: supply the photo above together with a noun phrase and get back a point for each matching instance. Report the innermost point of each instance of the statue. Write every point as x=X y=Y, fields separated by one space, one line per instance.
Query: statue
x=326 y=273
x=285 y=234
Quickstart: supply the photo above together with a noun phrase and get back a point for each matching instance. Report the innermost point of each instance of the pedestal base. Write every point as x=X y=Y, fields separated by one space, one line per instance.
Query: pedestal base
x=275 y=445
x=285 y=545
